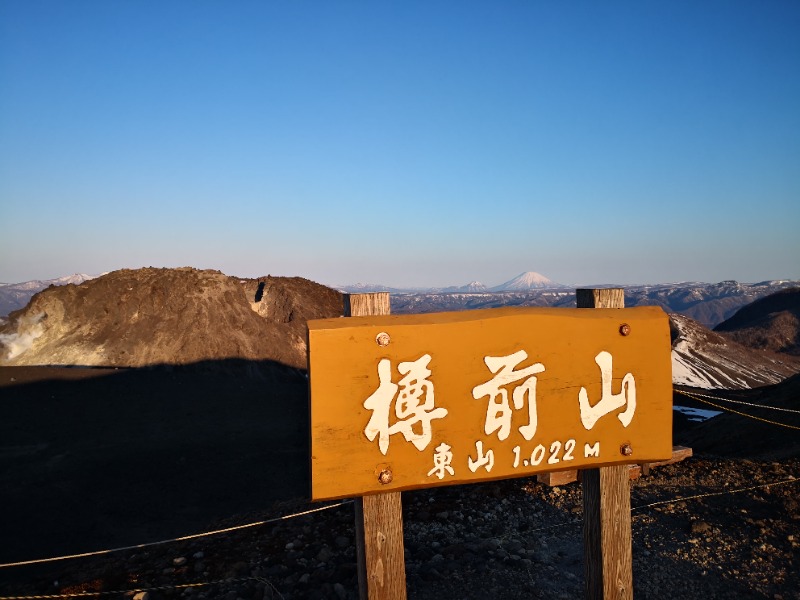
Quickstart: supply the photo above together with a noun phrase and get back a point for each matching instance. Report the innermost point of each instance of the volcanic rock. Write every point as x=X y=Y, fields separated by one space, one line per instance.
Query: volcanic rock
x=143 y=317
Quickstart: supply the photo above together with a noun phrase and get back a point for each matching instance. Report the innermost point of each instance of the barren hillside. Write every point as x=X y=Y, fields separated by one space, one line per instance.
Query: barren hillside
x=134 y=318
x=706 y=359
x=771 y=323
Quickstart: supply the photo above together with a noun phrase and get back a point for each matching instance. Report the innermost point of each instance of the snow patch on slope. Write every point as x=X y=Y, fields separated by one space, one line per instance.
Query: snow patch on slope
x=704 y=359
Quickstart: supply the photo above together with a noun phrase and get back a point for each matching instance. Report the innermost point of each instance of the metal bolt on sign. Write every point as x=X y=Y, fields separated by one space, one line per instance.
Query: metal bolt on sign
x=625 y=450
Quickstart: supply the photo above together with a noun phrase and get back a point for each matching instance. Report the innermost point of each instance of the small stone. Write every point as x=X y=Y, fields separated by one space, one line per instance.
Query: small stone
x=324 y=555
x=304 y=578
x=198 y=555
x=180 y=561
x=700 y=527
x=340 y=592
x=141 y=596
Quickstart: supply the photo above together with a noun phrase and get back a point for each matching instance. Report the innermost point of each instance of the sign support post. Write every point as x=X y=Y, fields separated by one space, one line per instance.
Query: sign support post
x=379 y=517
x=607 y=551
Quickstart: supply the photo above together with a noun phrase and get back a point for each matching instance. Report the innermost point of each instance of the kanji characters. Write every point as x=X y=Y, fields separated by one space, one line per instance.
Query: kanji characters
x=414 y=404
x=441 y=461
x=498 y=412
x=608 y=401
x=483 y=460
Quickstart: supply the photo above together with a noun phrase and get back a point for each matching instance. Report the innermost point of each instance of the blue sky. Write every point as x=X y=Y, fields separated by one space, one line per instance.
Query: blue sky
x=406 y=143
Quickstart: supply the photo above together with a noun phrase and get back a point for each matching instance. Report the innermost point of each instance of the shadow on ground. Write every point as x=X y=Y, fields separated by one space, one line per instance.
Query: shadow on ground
x=96 y=458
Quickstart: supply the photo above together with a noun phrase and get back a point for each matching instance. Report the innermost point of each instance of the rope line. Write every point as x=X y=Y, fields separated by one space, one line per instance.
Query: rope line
x=178 y=586
x=673 y=500
x=217 y=582
x=712 y=494
x=178 y=539
x=725 y=408
x=788 y=410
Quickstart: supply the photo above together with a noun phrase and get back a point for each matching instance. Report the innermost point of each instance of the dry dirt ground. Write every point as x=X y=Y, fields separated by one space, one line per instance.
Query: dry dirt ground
x=97 y=458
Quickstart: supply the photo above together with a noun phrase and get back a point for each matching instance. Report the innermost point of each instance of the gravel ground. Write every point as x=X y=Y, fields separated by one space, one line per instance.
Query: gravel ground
x=508 y=539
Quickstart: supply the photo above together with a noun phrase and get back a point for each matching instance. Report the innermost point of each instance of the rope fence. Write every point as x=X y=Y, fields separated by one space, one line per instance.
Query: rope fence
x=179 y=586
x=286 y=517
x=693 y=395
x=730 y=400
x=789 y=481
x=696 y=397
x=178 y=539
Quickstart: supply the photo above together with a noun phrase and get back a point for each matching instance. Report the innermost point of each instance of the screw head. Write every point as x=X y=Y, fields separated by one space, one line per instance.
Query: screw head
x=385 y=476
x=624 y=329
x=625 y=450
x=382 y=339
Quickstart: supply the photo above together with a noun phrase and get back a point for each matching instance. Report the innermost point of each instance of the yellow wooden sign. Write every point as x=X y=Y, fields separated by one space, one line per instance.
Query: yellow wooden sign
x=412 y=401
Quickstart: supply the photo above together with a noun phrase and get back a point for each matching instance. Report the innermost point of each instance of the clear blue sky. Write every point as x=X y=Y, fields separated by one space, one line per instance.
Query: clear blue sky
x=406 y=143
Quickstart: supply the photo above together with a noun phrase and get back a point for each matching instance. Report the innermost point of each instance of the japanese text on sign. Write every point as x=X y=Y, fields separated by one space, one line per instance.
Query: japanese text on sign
x=457 y=397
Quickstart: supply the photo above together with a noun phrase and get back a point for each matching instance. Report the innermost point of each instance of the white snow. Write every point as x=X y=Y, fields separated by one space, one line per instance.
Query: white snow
x=683 y=373
x=527 y=281
x=696 y=414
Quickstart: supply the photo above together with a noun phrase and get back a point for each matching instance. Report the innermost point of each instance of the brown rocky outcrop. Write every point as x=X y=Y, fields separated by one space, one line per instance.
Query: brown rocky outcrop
x=142 y=317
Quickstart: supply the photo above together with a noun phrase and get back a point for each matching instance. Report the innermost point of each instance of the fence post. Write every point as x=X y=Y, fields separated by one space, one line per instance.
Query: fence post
x=379 y=517
x=607 y=553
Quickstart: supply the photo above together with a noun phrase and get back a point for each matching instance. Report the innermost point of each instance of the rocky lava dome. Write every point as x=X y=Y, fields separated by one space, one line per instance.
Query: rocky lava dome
x=143 y=317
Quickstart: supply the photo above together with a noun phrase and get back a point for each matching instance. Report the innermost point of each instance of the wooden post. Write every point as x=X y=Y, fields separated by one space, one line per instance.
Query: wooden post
x=607 y=552
x=379 y=517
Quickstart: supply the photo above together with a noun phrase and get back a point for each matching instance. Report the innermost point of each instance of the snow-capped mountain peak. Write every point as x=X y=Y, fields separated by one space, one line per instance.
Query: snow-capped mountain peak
x=530 y=280
x=14 y=296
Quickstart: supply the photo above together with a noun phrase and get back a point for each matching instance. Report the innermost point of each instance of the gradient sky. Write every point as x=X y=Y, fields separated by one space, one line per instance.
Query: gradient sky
x=406 y=143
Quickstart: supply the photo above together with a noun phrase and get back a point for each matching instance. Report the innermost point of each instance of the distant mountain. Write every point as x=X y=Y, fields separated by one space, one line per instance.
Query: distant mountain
x=14 y=296
x=367 y=288
x=529 y=280
x=771 y=323
x=473 y=287
x=704 y=359
x=707 y=303
x=454 y=301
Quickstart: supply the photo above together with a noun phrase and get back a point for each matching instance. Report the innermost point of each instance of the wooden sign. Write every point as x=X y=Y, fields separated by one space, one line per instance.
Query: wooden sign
x=411 y=401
